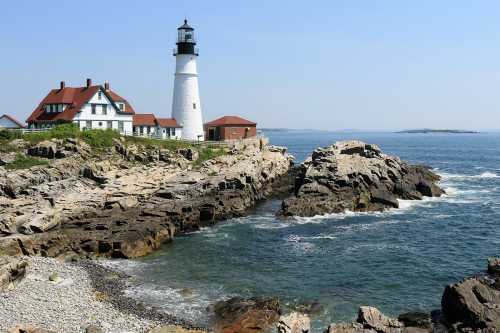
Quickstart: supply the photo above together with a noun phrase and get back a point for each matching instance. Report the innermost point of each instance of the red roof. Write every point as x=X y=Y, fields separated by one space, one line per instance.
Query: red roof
x=117 y=98
x=167 y=122
x=75 y=99
x=230 y=120
x=14 y=120
x=144 y=119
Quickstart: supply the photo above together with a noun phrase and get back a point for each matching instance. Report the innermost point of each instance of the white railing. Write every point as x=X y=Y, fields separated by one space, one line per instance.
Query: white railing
x=155 y=136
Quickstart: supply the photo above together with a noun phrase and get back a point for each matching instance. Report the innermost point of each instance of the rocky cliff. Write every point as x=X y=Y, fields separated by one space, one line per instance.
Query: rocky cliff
x=125 y=201
x=355 y=176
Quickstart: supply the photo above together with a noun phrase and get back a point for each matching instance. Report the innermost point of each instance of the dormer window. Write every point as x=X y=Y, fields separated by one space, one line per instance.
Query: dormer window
x=99 y=95
x=121 y=106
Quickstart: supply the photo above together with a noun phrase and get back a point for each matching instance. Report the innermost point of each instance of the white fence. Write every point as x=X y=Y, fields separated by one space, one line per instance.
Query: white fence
x=228 y=143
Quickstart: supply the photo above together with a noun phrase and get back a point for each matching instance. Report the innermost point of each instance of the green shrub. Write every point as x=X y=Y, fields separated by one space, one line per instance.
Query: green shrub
x=100 y=138
x=25 y=162
x=208 y=153
x=6 y=135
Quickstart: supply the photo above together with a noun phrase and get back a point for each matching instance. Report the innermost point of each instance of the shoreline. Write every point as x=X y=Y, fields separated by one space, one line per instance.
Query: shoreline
x=72 y=296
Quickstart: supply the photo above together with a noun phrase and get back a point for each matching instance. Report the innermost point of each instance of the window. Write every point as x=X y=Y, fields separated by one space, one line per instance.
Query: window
x=109 y=124
x=121 y=106
x=173 y=131
x=120 y=126
x=53 y=108
x=99 y=95
x=93 y=109
x=141 y=130
x=149 y=129
x=88 y=124
x=194 y=106
x=104 y=109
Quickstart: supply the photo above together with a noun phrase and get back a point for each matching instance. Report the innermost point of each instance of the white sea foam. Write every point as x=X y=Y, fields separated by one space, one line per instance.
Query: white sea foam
x=452 y=176
x=297 y=238
x=188 y=305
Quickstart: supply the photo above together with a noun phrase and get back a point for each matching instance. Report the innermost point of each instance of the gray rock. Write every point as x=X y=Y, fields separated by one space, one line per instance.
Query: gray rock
x=12 y=271
x=93 y=329
x=355 y=176
x=494 y=266
x=472 y=303
x=372 y=318
x=294 y=322
x=189 y=153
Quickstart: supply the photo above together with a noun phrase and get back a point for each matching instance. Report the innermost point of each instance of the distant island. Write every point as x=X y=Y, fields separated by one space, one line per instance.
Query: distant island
x=427 y=130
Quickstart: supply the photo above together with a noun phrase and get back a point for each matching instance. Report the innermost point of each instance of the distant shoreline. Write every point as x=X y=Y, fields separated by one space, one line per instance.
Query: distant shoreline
x=428 y=131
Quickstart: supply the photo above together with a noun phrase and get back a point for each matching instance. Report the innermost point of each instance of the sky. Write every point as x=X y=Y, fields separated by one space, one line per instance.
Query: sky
x=378 y=65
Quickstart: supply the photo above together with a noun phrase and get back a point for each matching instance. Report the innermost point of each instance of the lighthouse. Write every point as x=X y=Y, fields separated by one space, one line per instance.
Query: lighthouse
x=186 y=106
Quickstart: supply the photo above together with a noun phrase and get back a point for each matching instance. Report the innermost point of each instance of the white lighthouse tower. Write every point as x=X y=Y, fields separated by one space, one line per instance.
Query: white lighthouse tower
x=186 y=106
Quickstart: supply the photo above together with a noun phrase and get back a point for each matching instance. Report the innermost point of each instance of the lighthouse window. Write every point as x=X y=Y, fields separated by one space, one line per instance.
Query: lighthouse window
x=194 y=106
x=188 y=36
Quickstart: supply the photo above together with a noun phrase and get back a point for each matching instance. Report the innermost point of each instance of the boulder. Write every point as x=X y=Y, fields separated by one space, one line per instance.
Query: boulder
x=294 y=322
x=355 y=176
x=93 y=329
x=239 y=315
x=472 y=303
x=416 y=319
x=12 y=271
x=494 y=266
x=372 y=318
x=90 y=172
x=189 y=153
x=47 y=149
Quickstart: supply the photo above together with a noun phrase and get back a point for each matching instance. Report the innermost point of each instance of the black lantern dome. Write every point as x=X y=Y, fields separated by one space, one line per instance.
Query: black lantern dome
x=185 y=39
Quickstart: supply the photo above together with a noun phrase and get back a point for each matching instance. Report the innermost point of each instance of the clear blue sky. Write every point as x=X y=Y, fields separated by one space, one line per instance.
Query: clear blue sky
x=297 y=64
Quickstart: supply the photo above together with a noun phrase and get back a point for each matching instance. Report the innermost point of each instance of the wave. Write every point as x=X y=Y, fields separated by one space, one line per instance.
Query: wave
x=452 y=176
x=297 y=238
x=189 y=304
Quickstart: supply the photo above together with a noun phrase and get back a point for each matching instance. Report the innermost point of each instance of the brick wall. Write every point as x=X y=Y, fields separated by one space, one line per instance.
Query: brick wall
x=238 y=132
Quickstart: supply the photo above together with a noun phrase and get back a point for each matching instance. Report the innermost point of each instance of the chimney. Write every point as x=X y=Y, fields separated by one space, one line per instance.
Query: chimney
x=106 y=86
x=89 y=83
x=63 y=85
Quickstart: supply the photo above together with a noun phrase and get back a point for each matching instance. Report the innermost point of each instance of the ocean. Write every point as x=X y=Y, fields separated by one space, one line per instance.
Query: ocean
x=397 y=261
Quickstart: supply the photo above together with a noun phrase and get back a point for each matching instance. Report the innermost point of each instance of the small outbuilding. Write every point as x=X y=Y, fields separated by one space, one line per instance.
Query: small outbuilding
x=9 y=122
x=230 y=128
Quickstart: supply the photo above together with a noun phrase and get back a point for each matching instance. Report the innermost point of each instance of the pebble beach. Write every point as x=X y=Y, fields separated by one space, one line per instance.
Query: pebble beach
x=70 y=297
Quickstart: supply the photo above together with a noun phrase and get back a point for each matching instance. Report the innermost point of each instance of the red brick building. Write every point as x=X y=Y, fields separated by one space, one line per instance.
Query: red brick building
x=230 y=128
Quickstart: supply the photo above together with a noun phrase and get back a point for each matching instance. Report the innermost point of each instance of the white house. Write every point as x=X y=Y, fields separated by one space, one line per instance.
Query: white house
x=147 y=124
x=9 y=122
x=90 y=107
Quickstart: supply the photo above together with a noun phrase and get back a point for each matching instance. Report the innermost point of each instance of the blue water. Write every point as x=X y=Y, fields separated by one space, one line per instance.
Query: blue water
x=397 y=261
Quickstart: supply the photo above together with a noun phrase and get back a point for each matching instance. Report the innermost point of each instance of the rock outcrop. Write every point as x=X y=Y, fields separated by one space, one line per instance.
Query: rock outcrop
x=473 y=304
x=115 y=204
x=239 y=315
x=355 y=176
